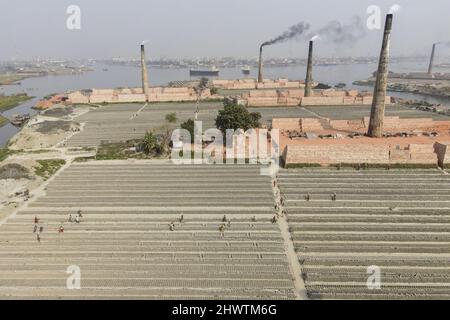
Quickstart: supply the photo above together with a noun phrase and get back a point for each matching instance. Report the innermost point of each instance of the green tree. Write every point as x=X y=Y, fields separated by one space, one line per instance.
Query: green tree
x=234 y=116
x=189 y=126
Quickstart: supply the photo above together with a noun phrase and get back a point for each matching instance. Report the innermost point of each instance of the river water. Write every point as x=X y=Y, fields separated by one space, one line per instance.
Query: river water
x=129 y=76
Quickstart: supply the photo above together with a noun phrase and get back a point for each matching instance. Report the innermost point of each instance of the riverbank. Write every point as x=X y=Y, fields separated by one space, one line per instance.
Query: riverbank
x=11 y=102
x=432 y=88
x=10 y=79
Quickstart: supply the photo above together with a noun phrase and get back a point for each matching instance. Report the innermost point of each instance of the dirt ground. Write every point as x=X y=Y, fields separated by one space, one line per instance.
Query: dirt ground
x=8 y=187
x=49 y=128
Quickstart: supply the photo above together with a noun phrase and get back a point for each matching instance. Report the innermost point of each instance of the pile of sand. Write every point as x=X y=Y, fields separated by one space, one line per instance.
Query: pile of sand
x=47 y=127
x=58 y=111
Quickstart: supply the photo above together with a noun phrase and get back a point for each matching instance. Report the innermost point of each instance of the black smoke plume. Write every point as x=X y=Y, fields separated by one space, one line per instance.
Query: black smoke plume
x=336 y=32
x=295 y=31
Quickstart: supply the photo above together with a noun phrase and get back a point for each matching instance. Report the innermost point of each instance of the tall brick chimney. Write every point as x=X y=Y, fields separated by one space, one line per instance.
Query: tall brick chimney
x=379 y=94
x=144 y=72
x=260 y=67
x=309 y=80
x=430 y=68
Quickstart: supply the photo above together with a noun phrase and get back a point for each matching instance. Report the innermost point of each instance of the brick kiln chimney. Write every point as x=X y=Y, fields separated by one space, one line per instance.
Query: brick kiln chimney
x=260 y=67
x=379 y=94
x=144 y=72
x=309 y=80
x=430 y=68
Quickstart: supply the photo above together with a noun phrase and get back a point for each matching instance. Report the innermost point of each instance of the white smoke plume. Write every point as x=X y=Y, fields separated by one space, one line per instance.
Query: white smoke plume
x=295 y=31
x=342 y=34
x=395 y=8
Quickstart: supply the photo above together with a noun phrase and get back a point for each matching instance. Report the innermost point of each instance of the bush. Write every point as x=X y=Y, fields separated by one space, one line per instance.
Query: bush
x=171 y=117
x=150 y=145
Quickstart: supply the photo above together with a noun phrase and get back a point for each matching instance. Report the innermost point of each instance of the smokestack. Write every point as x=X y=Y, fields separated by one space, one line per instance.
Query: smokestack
x=430 y=68
x=144 y=73
x=379 y=94
x=309 y=80
x=260 y=67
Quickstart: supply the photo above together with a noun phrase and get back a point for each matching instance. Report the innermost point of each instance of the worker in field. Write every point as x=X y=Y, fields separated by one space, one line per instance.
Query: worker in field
x=172 y=226
x=224 y=219
x=38 y=238
x=308 y=197
x=181 y=218
x=61 y=229
x=334 y=196
x=274 y=219
x=70 y=218
x=222 y=230
x=36 y=220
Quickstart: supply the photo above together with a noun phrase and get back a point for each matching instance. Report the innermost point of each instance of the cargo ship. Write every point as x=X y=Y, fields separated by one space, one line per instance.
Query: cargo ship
x=204 y=72
x=246 y=70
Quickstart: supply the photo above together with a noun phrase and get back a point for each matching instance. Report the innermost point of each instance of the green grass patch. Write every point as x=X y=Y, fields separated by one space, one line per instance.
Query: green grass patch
x=4 y=153
x=47 y=168
x=118 y=151
x=3 y=121
x=10 y=102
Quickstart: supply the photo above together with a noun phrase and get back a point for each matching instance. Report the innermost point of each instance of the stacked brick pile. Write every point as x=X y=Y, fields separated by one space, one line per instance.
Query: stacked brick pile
x=253 y=84
x=129 y=95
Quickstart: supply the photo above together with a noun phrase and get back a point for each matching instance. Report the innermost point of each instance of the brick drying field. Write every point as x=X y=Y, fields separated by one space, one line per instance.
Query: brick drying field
x=124 y=245
x=116 y=123
x=397 y=220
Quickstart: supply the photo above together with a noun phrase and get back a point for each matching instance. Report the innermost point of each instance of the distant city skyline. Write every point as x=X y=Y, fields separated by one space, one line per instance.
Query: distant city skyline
x=201 y=28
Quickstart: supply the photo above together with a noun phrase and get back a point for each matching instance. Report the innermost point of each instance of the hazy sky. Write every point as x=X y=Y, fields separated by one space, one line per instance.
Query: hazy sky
x=197 y=28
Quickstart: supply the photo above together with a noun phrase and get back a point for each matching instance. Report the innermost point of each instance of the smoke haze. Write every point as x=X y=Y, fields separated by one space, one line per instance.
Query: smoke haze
x=342 y=34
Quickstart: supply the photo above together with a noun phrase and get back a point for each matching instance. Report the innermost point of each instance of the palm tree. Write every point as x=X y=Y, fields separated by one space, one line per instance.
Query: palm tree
x=203 y=84
x=150 y=143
